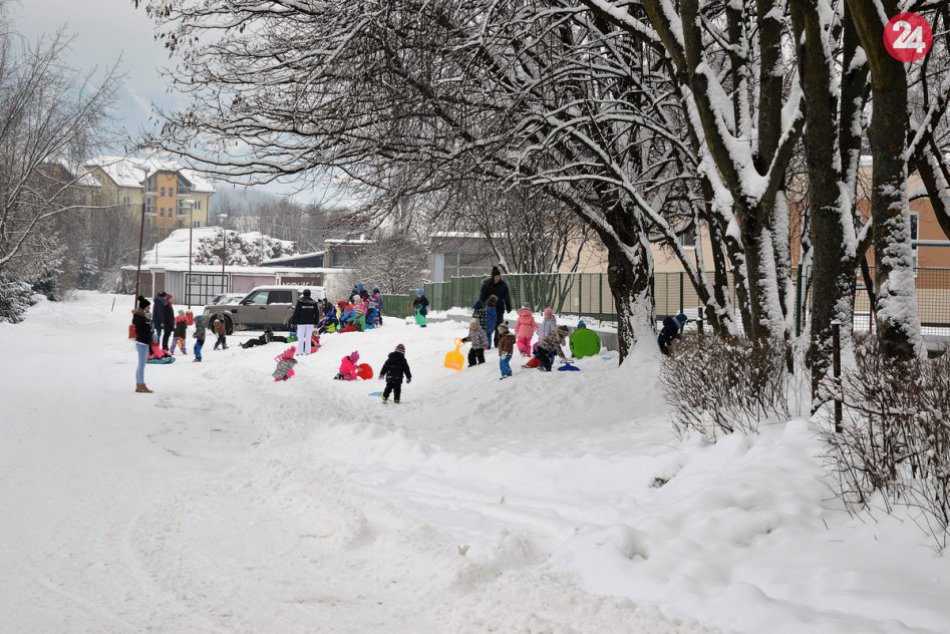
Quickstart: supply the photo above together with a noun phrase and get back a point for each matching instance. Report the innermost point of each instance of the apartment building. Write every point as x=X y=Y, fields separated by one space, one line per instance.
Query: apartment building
x=174 y=196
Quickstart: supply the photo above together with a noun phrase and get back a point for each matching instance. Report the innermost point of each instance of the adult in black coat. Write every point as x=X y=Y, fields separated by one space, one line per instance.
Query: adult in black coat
x=305 y=312
x=160 y=310
x=497 y=287
x=168 y=321
x=395 y=368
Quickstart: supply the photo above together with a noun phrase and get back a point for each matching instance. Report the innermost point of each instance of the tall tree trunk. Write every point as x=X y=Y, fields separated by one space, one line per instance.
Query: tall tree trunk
x=897 y=320
x=831 y=150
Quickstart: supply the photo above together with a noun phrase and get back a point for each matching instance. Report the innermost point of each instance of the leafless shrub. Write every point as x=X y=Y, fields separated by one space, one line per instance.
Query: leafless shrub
x=720 y=385
x=895 y=439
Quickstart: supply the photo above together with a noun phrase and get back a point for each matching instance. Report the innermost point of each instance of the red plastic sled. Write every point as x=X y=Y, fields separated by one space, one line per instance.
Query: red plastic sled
x=190 y=318
x=364 y=371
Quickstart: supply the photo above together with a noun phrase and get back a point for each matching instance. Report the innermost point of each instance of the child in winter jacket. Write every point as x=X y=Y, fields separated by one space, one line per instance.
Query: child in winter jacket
x=359 y=307
x=181 y=332
x=506 y=347
x=550 y=346
x=491 y=315
x=478 y=339
x=222 y=332
x=199 y=337
x=393 y=370
x=285 y=364
x=377 y=303
x=479 y=314
x=525 y=328
x=548 y=324
x=348 y=367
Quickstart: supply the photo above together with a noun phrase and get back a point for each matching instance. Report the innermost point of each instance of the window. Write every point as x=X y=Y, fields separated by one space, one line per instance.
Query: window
x=281 y=297
x=258 y=299
x=197 y=204
x=126 y=200
x=339 y=258
x=163 y=191
x=201 y=288
x=688 y=237
x=915 y=227
x=196 y=223
x=916 y=259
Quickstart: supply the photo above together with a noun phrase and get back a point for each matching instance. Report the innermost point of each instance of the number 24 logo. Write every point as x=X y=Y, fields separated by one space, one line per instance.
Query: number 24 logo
x=908 y=37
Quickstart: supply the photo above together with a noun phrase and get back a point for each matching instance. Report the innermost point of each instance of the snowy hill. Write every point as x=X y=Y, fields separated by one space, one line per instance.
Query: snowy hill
x=556 y=502
x=174 y=248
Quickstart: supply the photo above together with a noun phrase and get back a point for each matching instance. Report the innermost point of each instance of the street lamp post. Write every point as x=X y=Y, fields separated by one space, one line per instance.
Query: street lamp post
x=224 y=251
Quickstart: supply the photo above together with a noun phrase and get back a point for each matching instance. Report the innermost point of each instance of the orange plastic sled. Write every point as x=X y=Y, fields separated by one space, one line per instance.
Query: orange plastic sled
x=364 y=371
x=454 y=360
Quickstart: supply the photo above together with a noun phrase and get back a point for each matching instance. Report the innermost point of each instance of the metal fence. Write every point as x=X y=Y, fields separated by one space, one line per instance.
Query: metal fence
x=588 y=294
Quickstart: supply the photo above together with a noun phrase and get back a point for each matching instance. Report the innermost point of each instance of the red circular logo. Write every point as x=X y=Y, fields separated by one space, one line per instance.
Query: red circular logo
x=908 y=37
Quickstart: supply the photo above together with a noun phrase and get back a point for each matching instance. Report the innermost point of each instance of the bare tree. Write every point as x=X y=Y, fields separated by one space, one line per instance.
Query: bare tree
x=50 y=121
x=435 y=93
x=394 y=264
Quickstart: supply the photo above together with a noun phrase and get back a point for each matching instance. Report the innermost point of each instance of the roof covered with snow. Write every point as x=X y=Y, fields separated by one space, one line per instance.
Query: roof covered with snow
x=131 y=172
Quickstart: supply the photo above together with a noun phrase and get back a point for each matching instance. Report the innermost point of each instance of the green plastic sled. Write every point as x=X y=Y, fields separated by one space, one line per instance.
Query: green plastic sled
x=584 y=343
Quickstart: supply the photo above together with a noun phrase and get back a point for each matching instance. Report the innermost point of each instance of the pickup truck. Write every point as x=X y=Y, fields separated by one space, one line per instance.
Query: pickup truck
x=264 y=307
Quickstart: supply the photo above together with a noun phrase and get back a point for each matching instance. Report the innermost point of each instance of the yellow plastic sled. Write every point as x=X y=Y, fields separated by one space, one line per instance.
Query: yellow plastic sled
x=454 y=360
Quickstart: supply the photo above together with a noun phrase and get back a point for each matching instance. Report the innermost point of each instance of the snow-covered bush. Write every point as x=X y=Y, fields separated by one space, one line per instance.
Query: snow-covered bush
x=895 y=438
x=718 y=385
x=15 y=298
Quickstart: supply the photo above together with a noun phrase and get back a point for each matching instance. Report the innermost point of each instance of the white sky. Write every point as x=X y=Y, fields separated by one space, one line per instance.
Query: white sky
x=104 y=32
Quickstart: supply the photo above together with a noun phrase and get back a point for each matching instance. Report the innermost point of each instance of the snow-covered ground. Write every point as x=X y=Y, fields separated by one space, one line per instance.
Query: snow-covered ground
x=226 y=502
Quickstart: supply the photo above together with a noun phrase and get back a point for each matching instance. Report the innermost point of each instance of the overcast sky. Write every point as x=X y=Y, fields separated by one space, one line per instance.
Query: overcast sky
x=106 y=31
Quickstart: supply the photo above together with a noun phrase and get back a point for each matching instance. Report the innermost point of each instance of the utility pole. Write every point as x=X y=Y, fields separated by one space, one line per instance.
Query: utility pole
x=224 y=251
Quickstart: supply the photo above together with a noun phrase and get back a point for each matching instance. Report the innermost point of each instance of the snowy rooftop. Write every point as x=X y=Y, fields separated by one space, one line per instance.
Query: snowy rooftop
x=131 y=172
x=296 y=256
x=469 y=235
x=360 y=240
x=179 y=267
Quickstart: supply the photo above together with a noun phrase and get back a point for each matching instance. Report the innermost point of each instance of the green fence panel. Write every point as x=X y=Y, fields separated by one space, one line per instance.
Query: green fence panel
x=398 y=306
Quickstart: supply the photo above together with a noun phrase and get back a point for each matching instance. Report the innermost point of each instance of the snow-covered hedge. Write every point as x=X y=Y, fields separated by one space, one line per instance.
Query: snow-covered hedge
x=895 y=442
x=719 y=385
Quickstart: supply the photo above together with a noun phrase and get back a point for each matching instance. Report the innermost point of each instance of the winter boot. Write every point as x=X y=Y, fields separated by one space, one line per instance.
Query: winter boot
x=141 y=388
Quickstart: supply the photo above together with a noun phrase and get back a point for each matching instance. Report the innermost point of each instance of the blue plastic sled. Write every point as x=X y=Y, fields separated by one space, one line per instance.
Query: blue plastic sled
x=162 y=361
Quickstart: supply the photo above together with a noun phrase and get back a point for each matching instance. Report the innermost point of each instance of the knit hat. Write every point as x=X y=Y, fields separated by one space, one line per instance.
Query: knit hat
x=306 y=292
x=681 y=319
x=401 y=349
x=375 y=290
x=473 y=324
x=564 y=330
x=581 y=324
x=354 y=356
x=495 y=271
x=503 y=329
x=419 y=291
x=548 y=311
x=143 y=303
x=525 y=305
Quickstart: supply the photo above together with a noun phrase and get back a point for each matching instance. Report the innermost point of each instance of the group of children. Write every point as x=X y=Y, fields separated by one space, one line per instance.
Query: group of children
x=485 y=332
x=164 y=323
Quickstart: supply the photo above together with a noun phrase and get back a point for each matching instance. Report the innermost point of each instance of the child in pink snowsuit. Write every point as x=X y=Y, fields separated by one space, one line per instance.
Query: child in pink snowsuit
x=348 y=367
x=525 y=329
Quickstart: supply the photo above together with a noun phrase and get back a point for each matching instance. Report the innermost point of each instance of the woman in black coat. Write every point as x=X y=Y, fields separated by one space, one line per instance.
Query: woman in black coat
x=497 y=287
